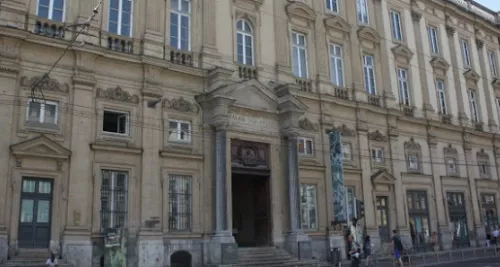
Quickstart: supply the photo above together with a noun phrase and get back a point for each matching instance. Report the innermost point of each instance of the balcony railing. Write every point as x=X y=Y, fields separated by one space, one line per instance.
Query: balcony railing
x=446 y=119
x=181 y=57
x=341 y=93
x=305 y=84
x=120 y=44
x=374 y=100
x=50 y=28
x=247 y=72
x=408 y=111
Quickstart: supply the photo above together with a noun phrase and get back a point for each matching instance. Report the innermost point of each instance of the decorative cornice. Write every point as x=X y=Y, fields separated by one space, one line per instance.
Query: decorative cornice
x=450 y=150
x=412 y=145
x=369 y=34
x=117 y=94
x=180 y=104
x=9 y=70
x=377 y=136
x=337 y=22
x=439 y=63
x=402 y=51
x=302 y=10
x=346 y=131
x=47 y=84
x=472 y=75
x=308 y=125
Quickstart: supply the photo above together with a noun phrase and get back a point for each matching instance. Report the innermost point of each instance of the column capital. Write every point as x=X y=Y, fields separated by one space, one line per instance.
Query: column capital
x=416 y=15
x=479 y=43
x=450 y=30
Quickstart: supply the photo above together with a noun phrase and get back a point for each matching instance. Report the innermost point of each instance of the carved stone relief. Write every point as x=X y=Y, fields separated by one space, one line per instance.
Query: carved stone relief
x=412 y=145
x=180 y=104
x=117 y=94
x=47 y=84
x=377 y=136
x=308 y=125
x=481 y=155
x=450 y=150
x=248 y=154
x=346 y=131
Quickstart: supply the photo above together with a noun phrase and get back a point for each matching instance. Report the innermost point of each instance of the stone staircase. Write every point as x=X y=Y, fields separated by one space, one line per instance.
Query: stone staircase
x=271 y=257
x=32 y=258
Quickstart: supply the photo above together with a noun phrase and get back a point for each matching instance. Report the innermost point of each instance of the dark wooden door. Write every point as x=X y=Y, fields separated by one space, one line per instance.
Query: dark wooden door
x=35 y=213
x=383 y=218
x=262 y=211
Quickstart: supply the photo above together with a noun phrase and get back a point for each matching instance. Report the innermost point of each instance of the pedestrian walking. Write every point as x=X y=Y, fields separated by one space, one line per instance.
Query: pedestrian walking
x=397 y=246
x=367 y=251
x=355 y=252
x=434 y=242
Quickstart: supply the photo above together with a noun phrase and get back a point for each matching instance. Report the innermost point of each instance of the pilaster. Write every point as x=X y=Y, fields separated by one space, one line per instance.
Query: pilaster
x=209 y=46
x=452 y=44
x=487 y=96
x=398 y=193
x=282 y=45
x=154 y=35
x=367 y=185
x=13 y=13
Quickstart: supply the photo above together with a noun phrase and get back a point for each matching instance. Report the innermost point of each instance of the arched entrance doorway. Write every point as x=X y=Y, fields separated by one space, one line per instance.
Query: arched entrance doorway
x=181 y=259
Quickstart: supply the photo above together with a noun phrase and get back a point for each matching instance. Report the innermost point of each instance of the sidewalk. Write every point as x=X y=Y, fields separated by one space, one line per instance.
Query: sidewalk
x=436 y=258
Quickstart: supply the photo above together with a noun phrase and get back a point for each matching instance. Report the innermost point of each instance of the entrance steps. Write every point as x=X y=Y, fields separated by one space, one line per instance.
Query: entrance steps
x=271 y=257
x=32 y=258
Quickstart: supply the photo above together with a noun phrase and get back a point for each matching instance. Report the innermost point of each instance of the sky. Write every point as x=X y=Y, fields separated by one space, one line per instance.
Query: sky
x=491 y=4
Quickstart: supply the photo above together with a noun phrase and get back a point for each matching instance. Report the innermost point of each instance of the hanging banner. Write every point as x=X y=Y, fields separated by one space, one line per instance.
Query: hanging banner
x=337 y=164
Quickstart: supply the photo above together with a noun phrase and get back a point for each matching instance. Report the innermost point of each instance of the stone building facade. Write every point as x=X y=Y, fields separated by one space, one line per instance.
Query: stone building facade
x=200 y=126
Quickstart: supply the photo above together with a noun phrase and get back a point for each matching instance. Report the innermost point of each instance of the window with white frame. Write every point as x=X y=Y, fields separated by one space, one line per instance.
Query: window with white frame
x=333 y=5
x=180 y=208
x=114 y=206
x=305 y=146
x=299 y=51
x=116 y=122
x=451 y=166
x=120 y=17
x=434 y=40
x=179 y=131
x=369 y=72
x=378 y=155
x=464 y=44
x=413 y=162
x=441 y=97
x=337 y=64
x=362 y=6
x=474 y=116
x=397 y=29
x=244 y=42
x=493 y=63
x=51 y=9
x=45 y=112
x=404 y=91
x=308 y=206
x=347 y=151
x=180 y=24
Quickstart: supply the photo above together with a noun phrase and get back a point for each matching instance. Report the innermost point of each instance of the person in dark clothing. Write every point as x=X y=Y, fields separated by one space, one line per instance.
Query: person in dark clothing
x=397 y=246
x=367 y=250
x=355 y=252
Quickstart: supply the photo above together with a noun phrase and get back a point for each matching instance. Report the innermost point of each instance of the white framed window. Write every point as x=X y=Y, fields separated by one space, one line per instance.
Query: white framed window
x=299 y=51
x=369 y=72
x=180 y=24
x=413 y=162
x=120 y=17
x=180 y=208
x=433 y=39
x=51 y=9
x=441 y=97
x=404 y=91
x=333 y=5
x=308 y=206
x=474 y=116
x=244 y=42
x=305 y=146
x=464 y=44
x=45 y=112
x=116 y=122
x=114 y=197
x=337 y=64
x=179 y=131
x=362 y=6
x=493 y=63
x=451 y=166
x=397 y=29
x=378 y=155
x=347 y=151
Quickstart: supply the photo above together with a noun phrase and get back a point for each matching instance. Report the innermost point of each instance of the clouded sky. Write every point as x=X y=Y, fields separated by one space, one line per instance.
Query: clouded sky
x=492 y=4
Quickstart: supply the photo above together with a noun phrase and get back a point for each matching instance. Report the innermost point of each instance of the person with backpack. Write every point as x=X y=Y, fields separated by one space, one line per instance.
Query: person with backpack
x=397 y=246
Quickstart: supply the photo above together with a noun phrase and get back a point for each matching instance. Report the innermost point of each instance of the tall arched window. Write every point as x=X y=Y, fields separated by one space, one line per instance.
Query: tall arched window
x=244 y=41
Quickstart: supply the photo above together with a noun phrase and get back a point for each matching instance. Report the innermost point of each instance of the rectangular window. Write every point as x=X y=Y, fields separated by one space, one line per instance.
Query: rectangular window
x=51 y=9
x=347 y=151
x=474 y=116
x=465 y=53
x=337 y=64
x=378 y=155
x=413 y=162
x=332 y=5
x=115 y=122
x=369 y=72
x=114 y=206
x=180 y=24
x=305 y=146
x=397 y=29
x=362 y=6
x=493 y=63
x=404 y=91
x=433 y=38
x=179 y=131
x=46 y=112
x=299 y=51
x=308 y=206
x=180 y=202
x=441 y=97
x=451 y=166
x=120 y=17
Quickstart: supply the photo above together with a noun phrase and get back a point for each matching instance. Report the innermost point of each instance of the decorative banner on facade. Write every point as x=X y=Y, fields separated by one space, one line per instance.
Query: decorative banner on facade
x=339 y=192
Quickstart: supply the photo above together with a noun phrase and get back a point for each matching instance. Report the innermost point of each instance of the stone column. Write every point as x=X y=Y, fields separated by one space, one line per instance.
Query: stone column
x=296 y=242
x=483 y=63
x=452 y=41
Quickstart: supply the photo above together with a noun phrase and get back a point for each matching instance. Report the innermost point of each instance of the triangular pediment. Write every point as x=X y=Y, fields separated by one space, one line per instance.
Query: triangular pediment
x=301 y=10
x=402 y=51
x=337 y=22
x=383 y=177
x=251 y=94
x=472 y=75
x=369 y=34
x=439 y=63
x=40 y=146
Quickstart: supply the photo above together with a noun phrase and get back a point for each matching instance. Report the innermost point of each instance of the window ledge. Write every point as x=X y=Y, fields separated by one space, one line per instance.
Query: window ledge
x=42 y=127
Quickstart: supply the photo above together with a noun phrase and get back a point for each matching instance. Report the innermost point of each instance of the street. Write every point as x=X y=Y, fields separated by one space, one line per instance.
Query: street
x=491 y=262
